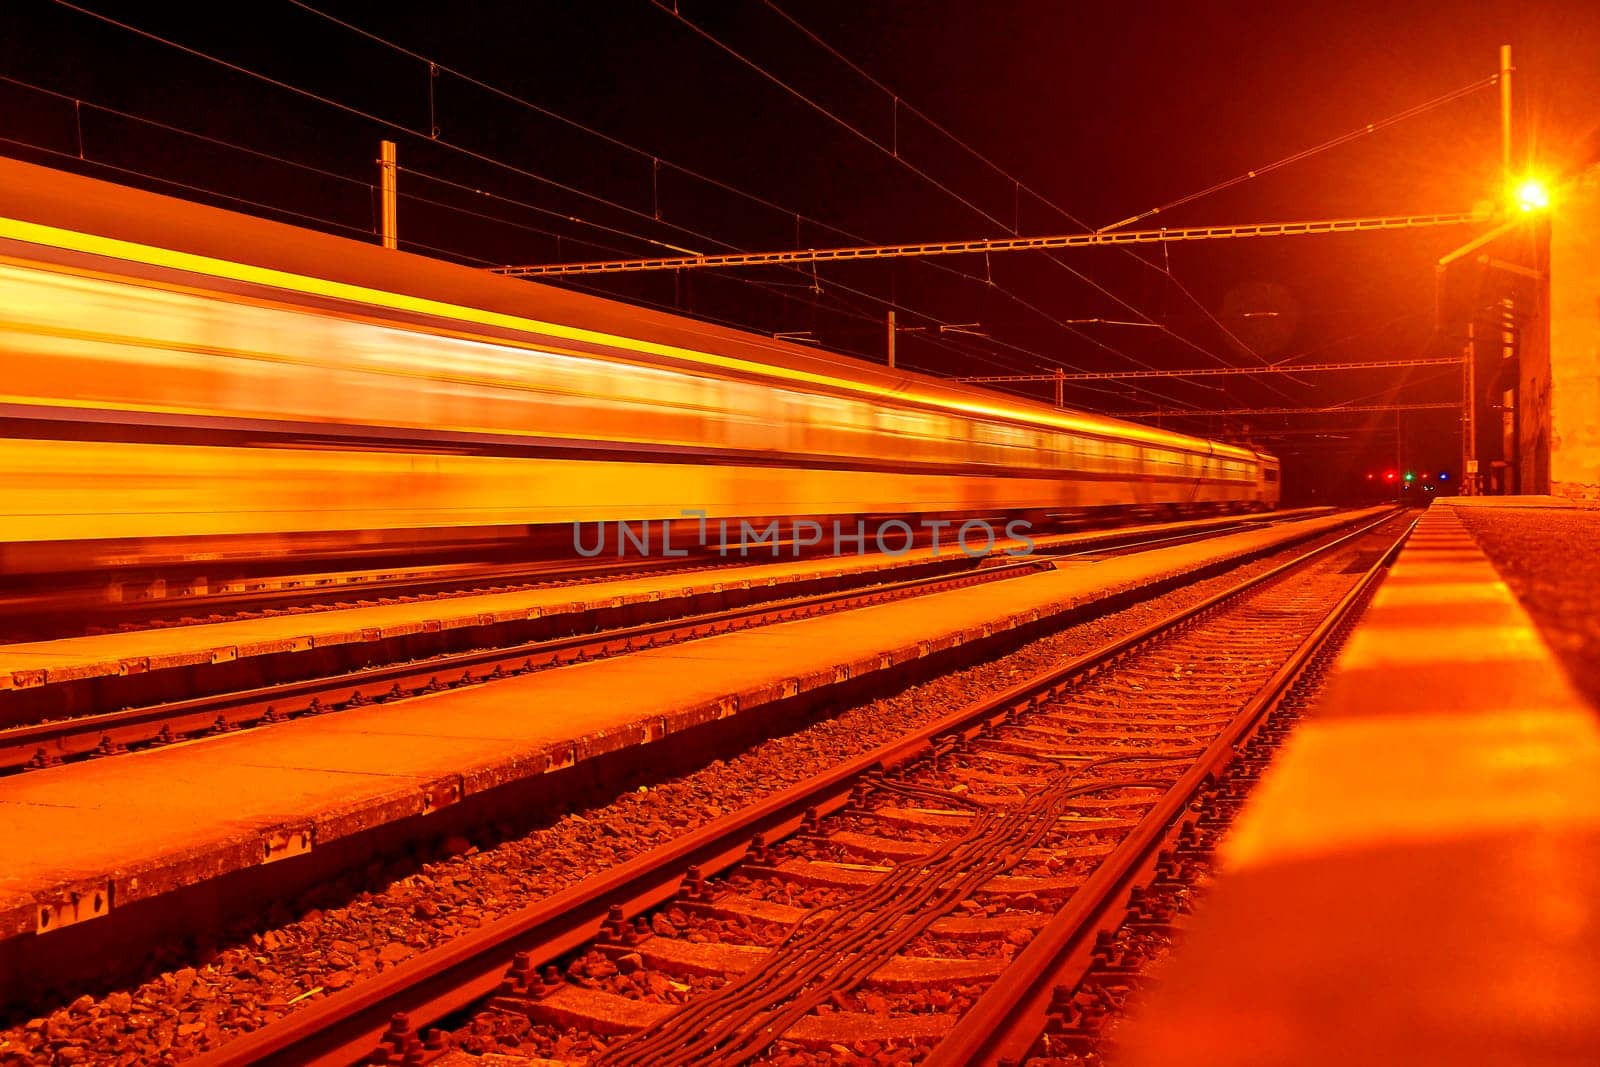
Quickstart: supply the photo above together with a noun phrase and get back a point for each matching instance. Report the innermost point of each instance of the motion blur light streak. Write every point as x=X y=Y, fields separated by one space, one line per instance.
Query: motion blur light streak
x=172 y=395
x=654 y=150
x=54 y=237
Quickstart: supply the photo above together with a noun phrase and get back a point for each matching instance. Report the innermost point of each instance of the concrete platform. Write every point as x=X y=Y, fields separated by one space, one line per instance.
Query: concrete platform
x=42 y=663
x=1417 y=880
x=84 y=838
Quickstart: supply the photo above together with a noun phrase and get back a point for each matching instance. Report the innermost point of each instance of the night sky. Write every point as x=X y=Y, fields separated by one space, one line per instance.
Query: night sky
x=1099 y=111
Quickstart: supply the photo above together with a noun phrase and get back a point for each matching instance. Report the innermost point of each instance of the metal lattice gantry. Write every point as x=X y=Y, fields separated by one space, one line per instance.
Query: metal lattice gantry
x=1350 y=409
x=995 y=244
x=1208 y=372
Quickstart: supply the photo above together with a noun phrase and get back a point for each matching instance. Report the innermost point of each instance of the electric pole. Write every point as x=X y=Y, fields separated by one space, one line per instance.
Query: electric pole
x=386 y=181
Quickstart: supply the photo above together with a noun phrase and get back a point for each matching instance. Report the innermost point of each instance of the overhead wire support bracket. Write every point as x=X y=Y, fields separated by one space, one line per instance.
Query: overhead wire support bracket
x=996 y=244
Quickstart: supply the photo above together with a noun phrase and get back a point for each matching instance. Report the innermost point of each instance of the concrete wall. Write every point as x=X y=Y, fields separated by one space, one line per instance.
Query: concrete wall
x=1574 y=383
x=1532 y=421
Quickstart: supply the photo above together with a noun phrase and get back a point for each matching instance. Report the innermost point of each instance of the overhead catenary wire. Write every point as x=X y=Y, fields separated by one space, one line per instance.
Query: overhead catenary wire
x=87 y=157
x=230 y=197
x=367 y=186
x=346 y=108
x=1020 y=186
x=411 y=131
x=1306 y=153
x=901 y=104
x=1393 y=388
x=499 y=220
x=402 y=127
x=435 y=65
x=848 y=312
x=656 y=161
x=845 y=309
x=893 y=152
x=832 y=285
x=393 y=124
x=82 y=157
x=550 y=212
x=1346 y=339
x=1357 y=405
x=79 y=102
x=897 y=157
x=845 y=124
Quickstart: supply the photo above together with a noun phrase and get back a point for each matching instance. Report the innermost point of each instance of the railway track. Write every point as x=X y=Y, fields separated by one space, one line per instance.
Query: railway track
x=188 y=600
x=922 y=901
x=32 y=745
x=117 y=732
x=269 y=596
x=1095 y=991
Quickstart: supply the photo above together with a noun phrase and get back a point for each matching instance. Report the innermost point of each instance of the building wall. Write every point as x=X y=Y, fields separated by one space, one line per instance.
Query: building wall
x=1533 y=421
x=1574 y=382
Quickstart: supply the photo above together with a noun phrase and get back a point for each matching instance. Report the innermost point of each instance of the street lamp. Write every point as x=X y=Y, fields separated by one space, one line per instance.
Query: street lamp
x=1532 y=195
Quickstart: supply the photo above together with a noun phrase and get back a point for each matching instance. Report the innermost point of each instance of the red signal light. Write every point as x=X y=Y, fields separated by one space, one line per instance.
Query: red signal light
x=1389 y=476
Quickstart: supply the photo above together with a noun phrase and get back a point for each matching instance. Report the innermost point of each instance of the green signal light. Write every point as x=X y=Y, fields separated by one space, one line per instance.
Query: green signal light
x=1410 y=477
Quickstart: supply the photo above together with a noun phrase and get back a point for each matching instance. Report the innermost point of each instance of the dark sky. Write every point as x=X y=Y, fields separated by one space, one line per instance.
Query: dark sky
x=1101 y=110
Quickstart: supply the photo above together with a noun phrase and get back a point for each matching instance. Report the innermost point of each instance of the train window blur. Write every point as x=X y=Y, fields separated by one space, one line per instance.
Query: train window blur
x=909 y=423
x=247 y=358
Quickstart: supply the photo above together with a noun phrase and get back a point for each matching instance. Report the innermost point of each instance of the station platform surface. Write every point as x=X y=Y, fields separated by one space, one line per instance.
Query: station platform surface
x=1417 y=878
x=43 y=663
x=113 y=831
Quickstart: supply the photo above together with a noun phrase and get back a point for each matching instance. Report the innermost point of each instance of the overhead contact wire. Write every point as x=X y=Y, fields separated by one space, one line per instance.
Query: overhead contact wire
x=658 y=161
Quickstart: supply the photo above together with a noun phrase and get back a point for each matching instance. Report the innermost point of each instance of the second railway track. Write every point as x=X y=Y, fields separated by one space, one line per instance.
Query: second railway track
x=924 y=897
x=59 y=608
x=28 y=744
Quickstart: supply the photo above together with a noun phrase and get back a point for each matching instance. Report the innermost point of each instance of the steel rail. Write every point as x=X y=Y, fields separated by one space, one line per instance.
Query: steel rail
x=314 y=594
x=346 y=1027
x=1011 y=1014
x=238 y=598
x=225 y=712
x=108 y=733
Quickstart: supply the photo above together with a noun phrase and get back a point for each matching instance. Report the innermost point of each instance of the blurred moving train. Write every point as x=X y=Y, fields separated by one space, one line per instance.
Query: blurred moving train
x=183 y=383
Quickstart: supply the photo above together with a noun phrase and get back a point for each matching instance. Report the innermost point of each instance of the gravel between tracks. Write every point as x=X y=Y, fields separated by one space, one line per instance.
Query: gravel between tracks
x=1550 y=558
x=353 y=929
